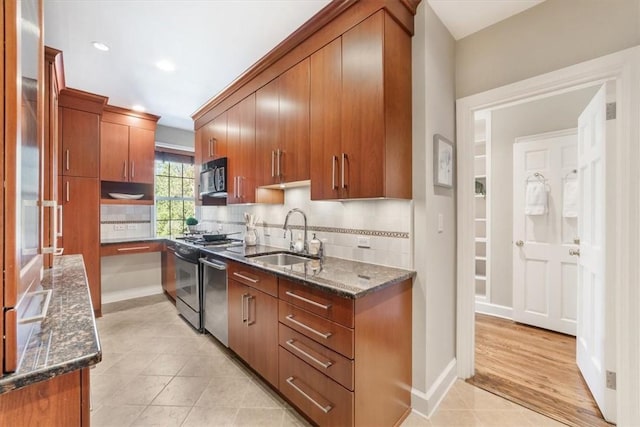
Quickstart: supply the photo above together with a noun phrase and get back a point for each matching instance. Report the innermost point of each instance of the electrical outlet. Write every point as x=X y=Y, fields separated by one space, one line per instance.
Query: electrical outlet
x=118 y=227
x=364 y=242
x=132 y=226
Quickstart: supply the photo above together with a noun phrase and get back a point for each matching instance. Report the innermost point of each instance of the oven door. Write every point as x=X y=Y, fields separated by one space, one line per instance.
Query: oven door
x=188 y=290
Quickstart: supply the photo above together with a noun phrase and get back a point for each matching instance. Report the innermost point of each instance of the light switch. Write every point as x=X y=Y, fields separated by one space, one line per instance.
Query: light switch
x=440 y=223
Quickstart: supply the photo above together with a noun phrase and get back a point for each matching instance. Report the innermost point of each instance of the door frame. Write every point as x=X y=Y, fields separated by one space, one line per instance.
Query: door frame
x=623 y=68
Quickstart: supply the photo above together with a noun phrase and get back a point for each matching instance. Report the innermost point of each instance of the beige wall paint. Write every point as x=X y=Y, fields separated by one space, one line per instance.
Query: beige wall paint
x=434 y=253
x=547 y=37
x=545 y=115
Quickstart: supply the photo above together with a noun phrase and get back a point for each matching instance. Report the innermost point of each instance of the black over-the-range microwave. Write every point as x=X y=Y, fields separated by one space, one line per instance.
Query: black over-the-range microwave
x=213 y=178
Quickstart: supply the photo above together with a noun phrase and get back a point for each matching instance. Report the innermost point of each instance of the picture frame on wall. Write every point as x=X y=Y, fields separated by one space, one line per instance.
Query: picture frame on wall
x=443 y=161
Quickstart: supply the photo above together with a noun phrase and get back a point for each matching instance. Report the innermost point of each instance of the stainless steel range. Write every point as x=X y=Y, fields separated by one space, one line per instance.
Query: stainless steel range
x=188 y=289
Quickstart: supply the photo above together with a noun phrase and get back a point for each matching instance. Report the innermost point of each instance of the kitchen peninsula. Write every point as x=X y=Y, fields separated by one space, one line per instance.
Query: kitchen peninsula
x=51 y=385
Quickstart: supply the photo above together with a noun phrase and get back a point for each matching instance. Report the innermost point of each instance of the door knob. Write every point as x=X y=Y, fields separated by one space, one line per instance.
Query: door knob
x=574 y=252
x=519 y=243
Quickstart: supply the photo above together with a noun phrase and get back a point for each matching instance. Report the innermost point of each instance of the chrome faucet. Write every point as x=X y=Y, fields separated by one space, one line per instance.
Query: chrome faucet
x=286 y=222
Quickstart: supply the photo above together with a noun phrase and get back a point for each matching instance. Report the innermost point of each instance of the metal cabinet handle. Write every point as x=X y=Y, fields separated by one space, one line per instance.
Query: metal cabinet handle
x=519 y=243
x=273 y=163
x=242 y=276
x=124 y=169
x=43 y=310
x=60 y=221
x=53 y=226
x=67 y=198
x=134 y=248
x=317 y=304
x=574 y=252
x=290 y=318
x=344 y=157
x=214 y=264
x=325 y=365
x=244 y=312
x=249 y=299
x=334 y=159
x=67 y=159
x=133 y=169
x=324 y=409
x=278 y=162
x=210 y=147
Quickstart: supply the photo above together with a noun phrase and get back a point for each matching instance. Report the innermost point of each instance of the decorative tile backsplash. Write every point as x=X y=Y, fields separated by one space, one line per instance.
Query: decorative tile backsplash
x=385 y=223
x=123 y=222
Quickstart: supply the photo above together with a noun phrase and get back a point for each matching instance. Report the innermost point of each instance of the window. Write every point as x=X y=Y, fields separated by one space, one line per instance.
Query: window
x=174 y=193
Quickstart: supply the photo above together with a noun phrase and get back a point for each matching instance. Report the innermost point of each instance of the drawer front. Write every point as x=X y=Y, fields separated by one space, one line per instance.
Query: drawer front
x=322 y=303
x=326 y=402
x=131 y=248
x=319 y=329
x=320 y=357
x=253 y=277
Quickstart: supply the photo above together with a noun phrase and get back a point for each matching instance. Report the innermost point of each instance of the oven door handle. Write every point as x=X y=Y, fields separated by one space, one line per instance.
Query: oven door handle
x=214 y=264
x=177 y=255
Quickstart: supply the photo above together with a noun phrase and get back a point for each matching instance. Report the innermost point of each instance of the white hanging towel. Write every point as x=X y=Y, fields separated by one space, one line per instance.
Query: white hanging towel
x=570 y=199
x=536 y=198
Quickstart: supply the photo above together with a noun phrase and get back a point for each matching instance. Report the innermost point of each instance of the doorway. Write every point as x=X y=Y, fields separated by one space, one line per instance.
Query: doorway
x=614 y=68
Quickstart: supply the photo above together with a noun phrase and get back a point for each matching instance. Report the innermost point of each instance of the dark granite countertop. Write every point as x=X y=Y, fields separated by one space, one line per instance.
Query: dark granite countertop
x=350 y=279
x=67 y=339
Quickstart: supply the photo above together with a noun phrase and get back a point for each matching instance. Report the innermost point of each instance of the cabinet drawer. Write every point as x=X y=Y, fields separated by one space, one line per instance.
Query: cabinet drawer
x=253 y=277
x=322 y=303
x=319 y=329
x=326 y=402
x=130 y=248
x=320 y=357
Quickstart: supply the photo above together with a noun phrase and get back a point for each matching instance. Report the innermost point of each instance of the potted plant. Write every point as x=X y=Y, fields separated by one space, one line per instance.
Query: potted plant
x=192 y=223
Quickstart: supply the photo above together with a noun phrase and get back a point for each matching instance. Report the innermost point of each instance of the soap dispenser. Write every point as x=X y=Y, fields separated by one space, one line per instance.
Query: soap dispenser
x=314 y=245
x=298 y=246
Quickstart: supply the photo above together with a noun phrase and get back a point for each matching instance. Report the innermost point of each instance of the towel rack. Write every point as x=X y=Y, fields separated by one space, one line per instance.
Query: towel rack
x=537 y=176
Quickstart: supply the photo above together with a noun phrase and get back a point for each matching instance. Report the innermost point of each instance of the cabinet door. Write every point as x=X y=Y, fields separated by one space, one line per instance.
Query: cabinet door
x=263 y=334
x=81 y=227
x=325 y=124
x=363 y=109
x=141 y=155
x=267 y=134
x=242 y=151
x=80 y=143
x=294 y=123
x=237 y=301
x=114 y=152
x=219 y=136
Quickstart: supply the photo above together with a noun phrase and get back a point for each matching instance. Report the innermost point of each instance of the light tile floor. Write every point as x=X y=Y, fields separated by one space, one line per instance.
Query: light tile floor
x=157 y=371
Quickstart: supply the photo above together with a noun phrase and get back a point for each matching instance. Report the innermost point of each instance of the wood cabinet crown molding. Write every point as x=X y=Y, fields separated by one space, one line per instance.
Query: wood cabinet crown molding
x=54 y=56
x=131 y=113
x=81 y=100
x=329 y=23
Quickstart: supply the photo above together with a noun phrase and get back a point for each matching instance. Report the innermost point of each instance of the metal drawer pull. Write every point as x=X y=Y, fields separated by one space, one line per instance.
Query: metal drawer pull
x=317 y=304
x=242 y=276
x=308 y=328
x=135 y=248
x=325 y=365
x=324 y=409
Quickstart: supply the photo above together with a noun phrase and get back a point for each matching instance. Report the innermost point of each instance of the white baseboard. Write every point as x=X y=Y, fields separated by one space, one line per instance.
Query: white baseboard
x=126 y=294
x=494 y=310
x=425 y=404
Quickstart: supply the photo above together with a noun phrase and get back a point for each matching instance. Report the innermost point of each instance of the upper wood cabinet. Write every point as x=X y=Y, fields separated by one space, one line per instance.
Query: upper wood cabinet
x=212 y=141
x=365 y=151
x=241 y=148
x=127 y=147
x=282 y=127
x=80 y=150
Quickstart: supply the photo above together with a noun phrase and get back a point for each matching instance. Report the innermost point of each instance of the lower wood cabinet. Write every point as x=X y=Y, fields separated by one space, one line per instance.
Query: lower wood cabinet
x=253 y=332
x=61 y=401
x=169 y=272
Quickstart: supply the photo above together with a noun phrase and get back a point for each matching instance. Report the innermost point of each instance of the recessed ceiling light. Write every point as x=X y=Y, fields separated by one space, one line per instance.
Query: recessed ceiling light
x=100 y=46
x=165 y=65
x=138 y=108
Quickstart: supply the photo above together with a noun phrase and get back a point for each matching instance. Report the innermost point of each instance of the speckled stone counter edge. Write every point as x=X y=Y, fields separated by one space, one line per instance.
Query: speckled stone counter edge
x=77 y=344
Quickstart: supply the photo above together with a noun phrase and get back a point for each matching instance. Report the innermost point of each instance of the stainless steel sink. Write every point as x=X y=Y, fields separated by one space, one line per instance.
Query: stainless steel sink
x=281 y=259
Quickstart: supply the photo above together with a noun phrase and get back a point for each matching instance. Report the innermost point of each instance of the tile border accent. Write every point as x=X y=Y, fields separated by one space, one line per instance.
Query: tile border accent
x=338 y=230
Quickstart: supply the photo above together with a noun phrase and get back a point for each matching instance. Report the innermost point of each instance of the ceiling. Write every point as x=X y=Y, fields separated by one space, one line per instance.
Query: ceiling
x=210 y=43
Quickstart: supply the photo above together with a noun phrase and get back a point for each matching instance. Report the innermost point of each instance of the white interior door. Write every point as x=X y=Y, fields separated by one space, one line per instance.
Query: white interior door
x=544 y=274
x=592 y=334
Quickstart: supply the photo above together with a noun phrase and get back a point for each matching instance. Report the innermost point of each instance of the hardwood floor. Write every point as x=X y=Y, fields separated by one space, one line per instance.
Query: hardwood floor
x=535 y=368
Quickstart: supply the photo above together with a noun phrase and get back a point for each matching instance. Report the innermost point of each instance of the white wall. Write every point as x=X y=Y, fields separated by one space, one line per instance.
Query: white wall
x=175 y=136
x=546 y=115
x=549 y=36
x=434 y=312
